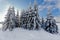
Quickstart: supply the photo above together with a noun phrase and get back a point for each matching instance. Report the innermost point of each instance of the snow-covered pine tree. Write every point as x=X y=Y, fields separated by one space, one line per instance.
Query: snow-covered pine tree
x=50 y=24
x=22 y=19
x=30 y=18
x=43 y=23
x=9 y=19
x=17 y=19
x=12 y=19
x=6 y=22
x=37 y=23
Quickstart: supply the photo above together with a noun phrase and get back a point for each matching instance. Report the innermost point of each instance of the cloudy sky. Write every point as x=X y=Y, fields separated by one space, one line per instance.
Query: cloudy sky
x=23 y=4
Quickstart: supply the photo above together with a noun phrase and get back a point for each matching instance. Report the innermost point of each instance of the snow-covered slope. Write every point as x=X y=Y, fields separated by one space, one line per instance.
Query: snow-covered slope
x=21 y=34
x=58 y=26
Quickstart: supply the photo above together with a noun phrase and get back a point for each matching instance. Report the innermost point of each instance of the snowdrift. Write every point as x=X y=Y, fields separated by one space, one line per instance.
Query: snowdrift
x=22 y=34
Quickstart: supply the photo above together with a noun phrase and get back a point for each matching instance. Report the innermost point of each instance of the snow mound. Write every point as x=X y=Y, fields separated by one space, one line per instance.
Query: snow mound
x=22 y=34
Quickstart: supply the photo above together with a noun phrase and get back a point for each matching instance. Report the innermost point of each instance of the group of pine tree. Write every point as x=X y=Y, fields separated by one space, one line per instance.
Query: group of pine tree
x=29 y=19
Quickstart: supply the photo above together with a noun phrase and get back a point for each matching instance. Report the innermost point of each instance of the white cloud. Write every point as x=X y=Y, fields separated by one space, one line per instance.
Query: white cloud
x=41 y=7
x=58 y=4
x=49 y=0
x=3 y=13
x=57 y=18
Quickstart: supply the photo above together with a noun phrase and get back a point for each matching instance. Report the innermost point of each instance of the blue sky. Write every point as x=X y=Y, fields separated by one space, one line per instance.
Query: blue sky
x=23 y=4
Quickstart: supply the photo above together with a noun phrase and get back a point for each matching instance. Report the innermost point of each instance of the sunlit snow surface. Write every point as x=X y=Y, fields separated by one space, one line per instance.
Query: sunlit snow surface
x=21 y=34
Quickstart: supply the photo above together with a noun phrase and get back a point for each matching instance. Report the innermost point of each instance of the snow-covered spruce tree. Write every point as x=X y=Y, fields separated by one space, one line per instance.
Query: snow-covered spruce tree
x=17 y=19
x=50 y=24
x=30 y=18
x=22 y=19
x=42 y=23
x=36 y=18
x=9 y=19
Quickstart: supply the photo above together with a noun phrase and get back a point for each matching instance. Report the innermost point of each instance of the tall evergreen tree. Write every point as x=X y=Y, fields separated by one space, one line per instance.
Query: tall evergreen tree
x=42 y=23
x=17 y=19
x=30 y=18
x=50 y=24
x=22 y=19
x=9 y=19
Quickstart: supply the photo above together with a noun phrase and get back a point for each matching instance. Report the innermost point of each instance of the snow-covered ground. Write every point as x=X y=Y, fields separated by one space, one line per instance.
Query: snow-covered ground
x=21 y=34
